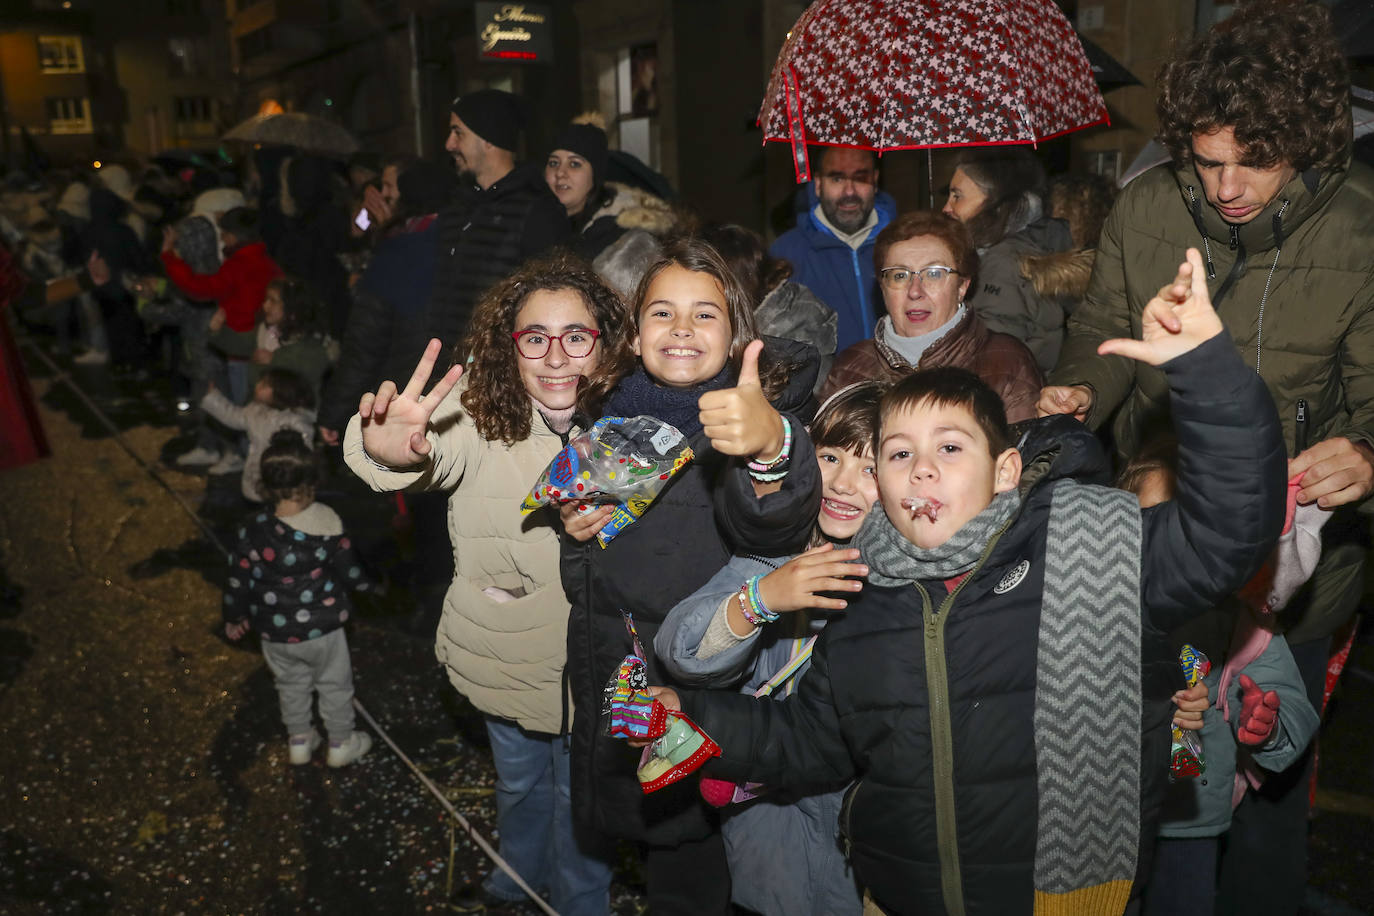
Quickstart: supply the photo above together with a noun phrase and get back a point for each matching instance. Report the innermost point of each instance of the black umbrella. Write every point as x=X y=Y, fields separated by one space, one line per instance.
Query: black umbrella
x=1107 y=70
x=1354 y=22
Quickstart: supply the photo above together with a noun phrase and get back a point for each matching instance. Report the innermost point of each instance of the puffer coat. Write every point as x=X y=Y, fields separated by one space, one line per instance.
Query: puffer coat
x=505 y=657
x=874 y=704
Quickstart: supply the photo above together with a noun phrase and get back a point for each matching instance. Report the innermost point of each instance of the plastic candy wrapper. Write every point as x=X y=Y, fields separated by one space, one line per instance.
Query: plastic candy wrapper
x=679 y=748
x=1185 y=757
x=678 y=752
x=619 y=461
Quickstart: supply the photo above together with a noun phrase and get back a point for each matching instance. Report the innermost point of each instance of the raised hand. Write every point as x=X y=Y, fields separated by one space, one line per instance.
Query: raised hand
x=739 y=420
x=1177 y=319
x=1259 y=710
x=394 y=424
x=376 y=205
x=796 y=584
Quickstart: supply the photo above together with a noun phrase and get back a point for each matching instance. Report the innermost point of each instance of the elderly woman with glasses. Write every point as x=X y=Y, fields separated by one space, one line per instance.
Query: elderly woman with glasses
x=925 y=262
x=484 y=437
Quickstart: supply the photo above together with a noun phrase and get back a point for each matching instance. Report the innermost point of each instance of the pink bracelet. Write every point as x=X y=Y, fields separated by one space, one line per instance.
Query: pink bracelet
x=752 y=618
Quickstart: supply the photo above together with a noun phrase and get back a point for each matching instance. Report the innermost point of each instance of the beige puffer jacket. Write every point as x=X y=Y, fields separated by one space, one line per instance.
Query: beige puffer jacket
x=506 y=658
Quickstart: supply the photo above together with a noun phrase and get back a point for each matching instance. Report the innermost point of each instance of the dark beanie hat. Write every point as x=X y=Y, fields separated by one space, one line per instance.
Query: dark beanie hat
x=493 y=115
x=587 y=141
x=426 y=187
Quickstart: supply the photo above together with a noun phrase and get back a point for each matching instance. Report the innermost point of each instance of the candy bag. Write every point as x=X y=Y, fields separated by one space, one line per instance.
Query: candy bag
x=625 y=462
x=1185 y=757
x=679 y=748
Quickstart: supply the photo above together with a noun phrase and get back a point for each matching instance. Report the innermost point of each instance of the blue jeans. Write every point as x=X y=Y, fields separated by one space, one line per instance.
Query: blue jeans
x=534 y=817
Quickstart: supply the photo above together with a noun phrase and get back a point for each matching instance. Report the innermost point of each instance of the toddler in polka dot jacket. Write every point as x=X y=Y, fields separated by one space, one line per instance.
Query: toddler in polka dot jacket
x=291 y=570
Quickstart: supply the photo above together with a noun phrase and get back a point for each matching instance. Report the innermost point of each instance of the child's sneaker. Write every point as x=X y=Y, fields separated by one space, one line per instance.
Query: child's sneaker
x=197 y=457
x=230 y=463
x=342 y=753
x=300 y=748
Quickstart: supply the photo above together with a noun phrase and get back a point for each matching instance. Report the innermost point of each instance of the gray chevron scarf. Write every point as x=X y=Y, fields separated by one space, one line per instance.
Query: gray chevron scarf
x=1088 y=714
x=893 y=560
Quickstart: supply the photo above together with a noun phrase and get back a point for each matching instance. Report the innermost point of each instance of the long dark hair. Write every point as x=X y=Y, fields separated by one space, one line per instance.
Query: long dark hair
x=1014 y=182
x=743 y=250
x=300 y=309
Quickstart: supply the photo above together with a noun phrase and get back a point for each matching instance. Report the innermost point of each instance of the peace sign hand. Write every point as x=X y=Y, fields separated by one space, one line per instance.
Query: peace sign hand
x=394 y=425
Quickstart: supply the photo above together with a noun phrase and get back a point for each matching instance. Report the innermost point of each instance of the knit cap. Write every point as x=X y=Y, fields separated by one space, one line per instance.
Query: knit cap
x=588 y=140
x=492 y=114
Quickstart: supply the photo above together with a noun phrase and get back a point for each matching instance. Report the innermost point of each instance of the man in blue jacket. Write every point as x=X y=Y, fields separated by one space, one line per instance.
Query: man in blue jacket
x=831 y=247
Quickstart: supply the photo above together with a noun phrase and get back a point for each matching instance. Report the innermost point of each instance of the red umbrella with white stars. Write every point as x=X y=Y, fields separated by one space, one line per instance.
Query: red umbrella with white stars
x=921 y=74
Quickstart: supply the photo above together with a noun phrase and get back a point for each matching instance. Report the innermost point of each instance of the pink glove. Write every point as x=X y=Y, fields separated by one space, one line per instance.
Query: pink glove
x=1259 y=710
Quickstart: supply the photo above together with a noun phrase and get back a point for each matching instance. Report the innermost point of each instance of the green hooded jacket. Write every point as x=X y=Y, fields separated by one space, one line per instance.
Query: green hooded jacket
x=1294 y=286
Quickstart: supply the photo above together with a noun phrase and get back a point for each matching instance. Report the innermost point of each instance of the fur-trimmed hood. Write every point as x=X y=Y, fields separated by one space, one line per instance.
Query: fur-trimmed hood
x=634 y=208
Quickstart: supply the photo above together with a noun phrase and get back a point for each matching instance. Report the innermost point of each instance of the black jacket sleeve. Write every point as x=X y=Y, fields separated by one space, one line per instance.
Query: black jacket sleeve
x=778 y=524
x=791 y=742
x=1228 y=503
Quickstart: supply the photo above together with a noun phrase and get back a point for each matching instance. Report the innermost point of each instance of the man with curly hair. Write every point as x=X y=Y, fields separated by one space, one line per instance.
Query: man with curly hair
x=1256 y=116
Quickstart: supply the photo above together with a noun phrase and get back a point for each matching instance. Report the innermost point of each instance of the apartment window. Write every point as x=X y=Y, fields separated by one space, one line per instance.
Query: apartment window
x=70 y=115
x=60 y=54
x=193 y=108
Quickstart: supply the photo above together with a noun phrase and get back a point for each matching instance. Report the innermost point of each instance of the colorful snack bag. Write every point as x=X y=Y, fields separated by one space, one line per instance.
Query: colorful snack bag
x=679 y=748
x=625 y=462
x=1185 y=757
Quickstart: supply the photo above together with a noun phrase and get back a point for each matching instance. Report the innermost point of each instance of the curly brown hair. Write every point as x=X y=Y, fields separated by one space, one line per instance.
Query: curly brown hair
x=495 y=397
x=1082 y=201
x=1274 y=73
x=696 y=254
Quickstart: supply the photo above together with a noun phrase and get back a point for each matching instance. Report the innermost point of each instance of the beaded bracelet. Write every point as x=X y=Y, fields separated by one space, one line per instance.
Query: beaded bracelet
x=760 y=608
x=752 y=619
x=783 y=455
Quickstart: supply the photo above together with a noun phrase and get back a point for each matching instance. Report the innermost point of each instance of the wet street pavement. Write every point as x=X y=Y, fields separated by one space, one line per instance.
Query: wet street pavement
x=143 y=765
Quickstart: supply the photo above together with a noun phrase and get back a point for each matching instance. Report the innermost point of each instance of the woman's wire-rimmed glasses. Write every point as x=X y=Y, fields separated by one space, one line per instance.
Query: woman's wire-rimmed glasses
x=899 y=278
x=576 y=343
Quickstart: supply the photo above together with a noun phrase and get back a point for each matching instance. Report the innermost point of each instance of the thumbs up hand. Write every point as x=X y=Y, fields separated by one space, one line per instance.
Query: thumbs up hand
x=739 y=420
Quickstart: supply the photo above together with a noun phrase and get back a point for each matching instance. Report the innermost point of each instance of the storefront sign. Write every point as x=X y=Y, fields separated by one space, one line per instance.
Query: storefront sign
x=515 y=32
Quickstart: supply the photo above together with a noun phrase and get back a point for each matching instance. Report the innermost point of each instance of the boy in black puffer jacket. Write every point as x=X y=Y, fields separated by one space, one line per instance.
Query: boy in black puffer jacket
x=1000 y=690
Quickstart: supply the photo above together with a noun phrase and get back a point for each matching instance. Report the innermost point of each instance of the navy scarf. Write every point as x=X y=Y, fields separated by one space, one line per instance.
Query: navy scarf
x=638 y=394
